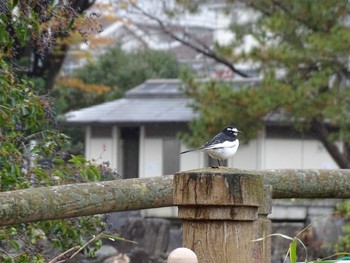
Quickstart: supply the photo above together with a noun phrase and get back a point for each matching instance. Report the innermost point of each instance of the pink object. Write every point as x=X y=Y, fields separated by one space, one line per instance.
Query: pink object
x=182 y=255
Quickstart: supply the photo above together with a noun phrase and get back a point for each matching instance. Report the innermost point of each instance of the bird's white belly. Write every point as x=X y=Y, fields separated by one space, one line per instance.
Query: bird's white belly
x=223 y=153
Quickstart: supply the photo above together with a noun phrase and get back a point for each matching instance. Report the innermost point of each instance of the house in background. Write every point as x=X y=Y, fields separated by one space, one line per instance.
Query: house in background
x=144 y=35
x=138 y=135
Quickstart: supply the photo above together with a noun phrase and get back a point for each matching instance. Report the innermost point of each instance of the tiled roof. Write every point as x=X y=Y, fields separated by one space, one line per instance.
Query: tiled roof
x=155 y=100
x=152 y=101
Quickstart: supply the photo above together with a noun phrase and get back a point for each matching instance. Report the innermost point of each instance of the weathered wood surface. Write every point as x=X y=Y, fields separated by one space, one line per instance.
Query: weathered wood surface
x=308 y=183
x=36 y=204
x=66 y=201
x=262 y=228
x=219 y=213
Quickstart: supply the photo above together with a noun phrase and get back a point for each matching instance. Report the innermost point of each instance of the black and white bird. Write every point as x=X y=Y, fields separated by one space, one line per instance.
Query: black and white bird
x=222 y=146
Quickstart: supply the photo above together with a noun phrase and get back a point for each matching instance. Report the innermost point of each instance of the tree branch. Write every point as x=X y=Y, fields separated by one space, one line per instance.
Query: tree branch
x=320 y=130
x=205 y=50
x=49 y=65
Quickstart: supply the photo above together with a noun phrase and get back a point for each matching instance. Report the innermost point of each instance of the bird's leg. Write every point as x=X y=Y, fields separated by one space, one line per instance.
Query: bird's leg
x=217 y=167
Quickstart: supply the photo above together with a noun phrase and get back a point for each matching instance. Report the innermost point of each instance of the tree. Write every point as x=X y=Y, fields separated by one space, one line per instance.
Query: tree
x=301 y=49
x=32 y=33
x=31 y=149
x=113 y=73
x=107 y=78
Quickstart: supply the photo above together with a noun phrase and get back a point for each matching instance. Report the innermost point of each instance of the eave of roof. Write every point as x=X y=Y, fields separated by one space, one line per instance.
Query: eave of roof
x=154 y=101
x=133 y=110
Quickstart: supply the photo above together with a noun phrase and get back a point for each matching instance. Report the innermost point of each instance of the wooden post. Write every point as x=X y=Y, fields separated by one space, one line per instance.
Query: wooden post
x=219 y=211
x=262 y=248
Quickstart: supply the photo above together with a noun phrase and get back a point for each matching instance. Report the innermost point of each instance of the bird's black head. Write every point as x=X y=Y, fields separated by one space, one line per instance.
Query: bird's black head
x=231 y=131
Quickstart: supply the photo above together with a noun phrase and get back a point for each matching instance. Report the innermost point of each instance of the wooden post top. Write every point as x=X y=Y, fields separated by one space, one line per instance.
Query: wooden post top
x=219 y=209
x=218 y=186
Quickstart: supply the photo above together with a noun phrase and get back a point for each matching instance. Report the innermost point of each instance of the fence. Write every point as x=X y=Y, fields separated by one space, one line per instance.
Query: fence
x=222 y=210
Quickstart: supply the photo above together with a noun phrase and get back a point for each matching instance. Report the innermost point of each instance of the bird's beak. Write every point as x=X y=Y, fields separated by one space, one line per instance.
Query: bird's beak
x=239 y=131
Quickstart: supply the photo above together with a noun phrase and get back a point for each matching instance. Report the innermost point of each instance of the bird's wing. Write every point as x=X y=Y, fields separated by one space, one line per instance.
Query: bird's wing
x=218 y=145
x=219 y=141
x=215 y=142
x=207 y=145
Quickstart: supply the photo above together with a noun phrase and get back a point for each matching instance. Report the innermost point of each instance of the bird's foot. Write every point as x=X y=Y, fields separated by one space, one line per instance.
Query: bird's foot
x=215 y=167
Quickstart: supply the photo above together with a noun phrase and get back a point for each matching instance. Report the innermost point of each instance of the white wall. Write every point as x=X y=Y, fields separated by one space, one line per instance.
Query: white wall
x=151 y=156
x=297 y=154
x=151 y=164
x=262 y=153
x=316 y=155
x=191 y=160
x=103 y=149
x=116 y=162
x=248 y=156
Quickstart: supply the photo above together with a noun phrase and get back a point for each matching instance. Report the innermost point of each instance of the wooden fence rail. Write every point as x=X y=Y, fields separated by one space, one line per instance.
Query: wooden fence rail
x=222 y=210
x=75 y=200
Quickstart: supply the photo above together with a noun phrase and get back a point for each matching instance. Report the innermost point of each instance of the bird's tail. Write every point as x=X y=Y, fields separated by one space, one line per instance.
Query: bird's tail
x=193 y=150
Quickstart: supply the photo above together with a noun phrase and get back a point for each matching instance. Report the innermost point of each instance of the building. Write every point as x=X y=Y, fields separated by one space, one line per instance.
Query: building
x=138 y=135
x=134 y=30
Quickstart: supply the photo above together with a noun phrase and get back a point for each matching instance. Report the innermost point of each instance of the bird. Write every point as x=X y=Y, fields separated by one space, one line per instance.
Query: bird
x=222 y=146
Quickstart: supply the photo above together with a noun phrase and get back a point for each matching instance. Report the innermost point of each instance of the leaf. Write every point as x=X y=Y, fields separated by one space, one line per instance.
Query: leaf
x=14 y=4
x=58 y=160
x=24 y=110
x=14 y=244
x=70 y=25
x=93 y=173
x=293 y=251
x=78 y=159
x=114 y=238
x=41 y=173
x=59 y=174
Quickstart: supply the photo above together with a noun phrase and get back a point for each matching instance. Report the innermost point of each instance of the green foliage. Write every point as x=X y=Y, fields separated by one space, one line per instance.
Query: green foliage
x=38 y=23
x=344 y=241
x=122 y=70
x=113 y=73
x=32 y=151
x=74 y=93
x=301 y=49
x=37 y=242
x=243 y=107
x=26 y=117
x=293 y=251
x=23 y=116
x=118 y=70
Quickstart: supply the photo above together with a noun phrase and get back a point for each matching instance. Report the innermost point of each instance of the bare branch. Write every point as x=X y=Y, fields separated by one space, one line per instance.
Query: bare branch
x=54 y=260
x=200 y=48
